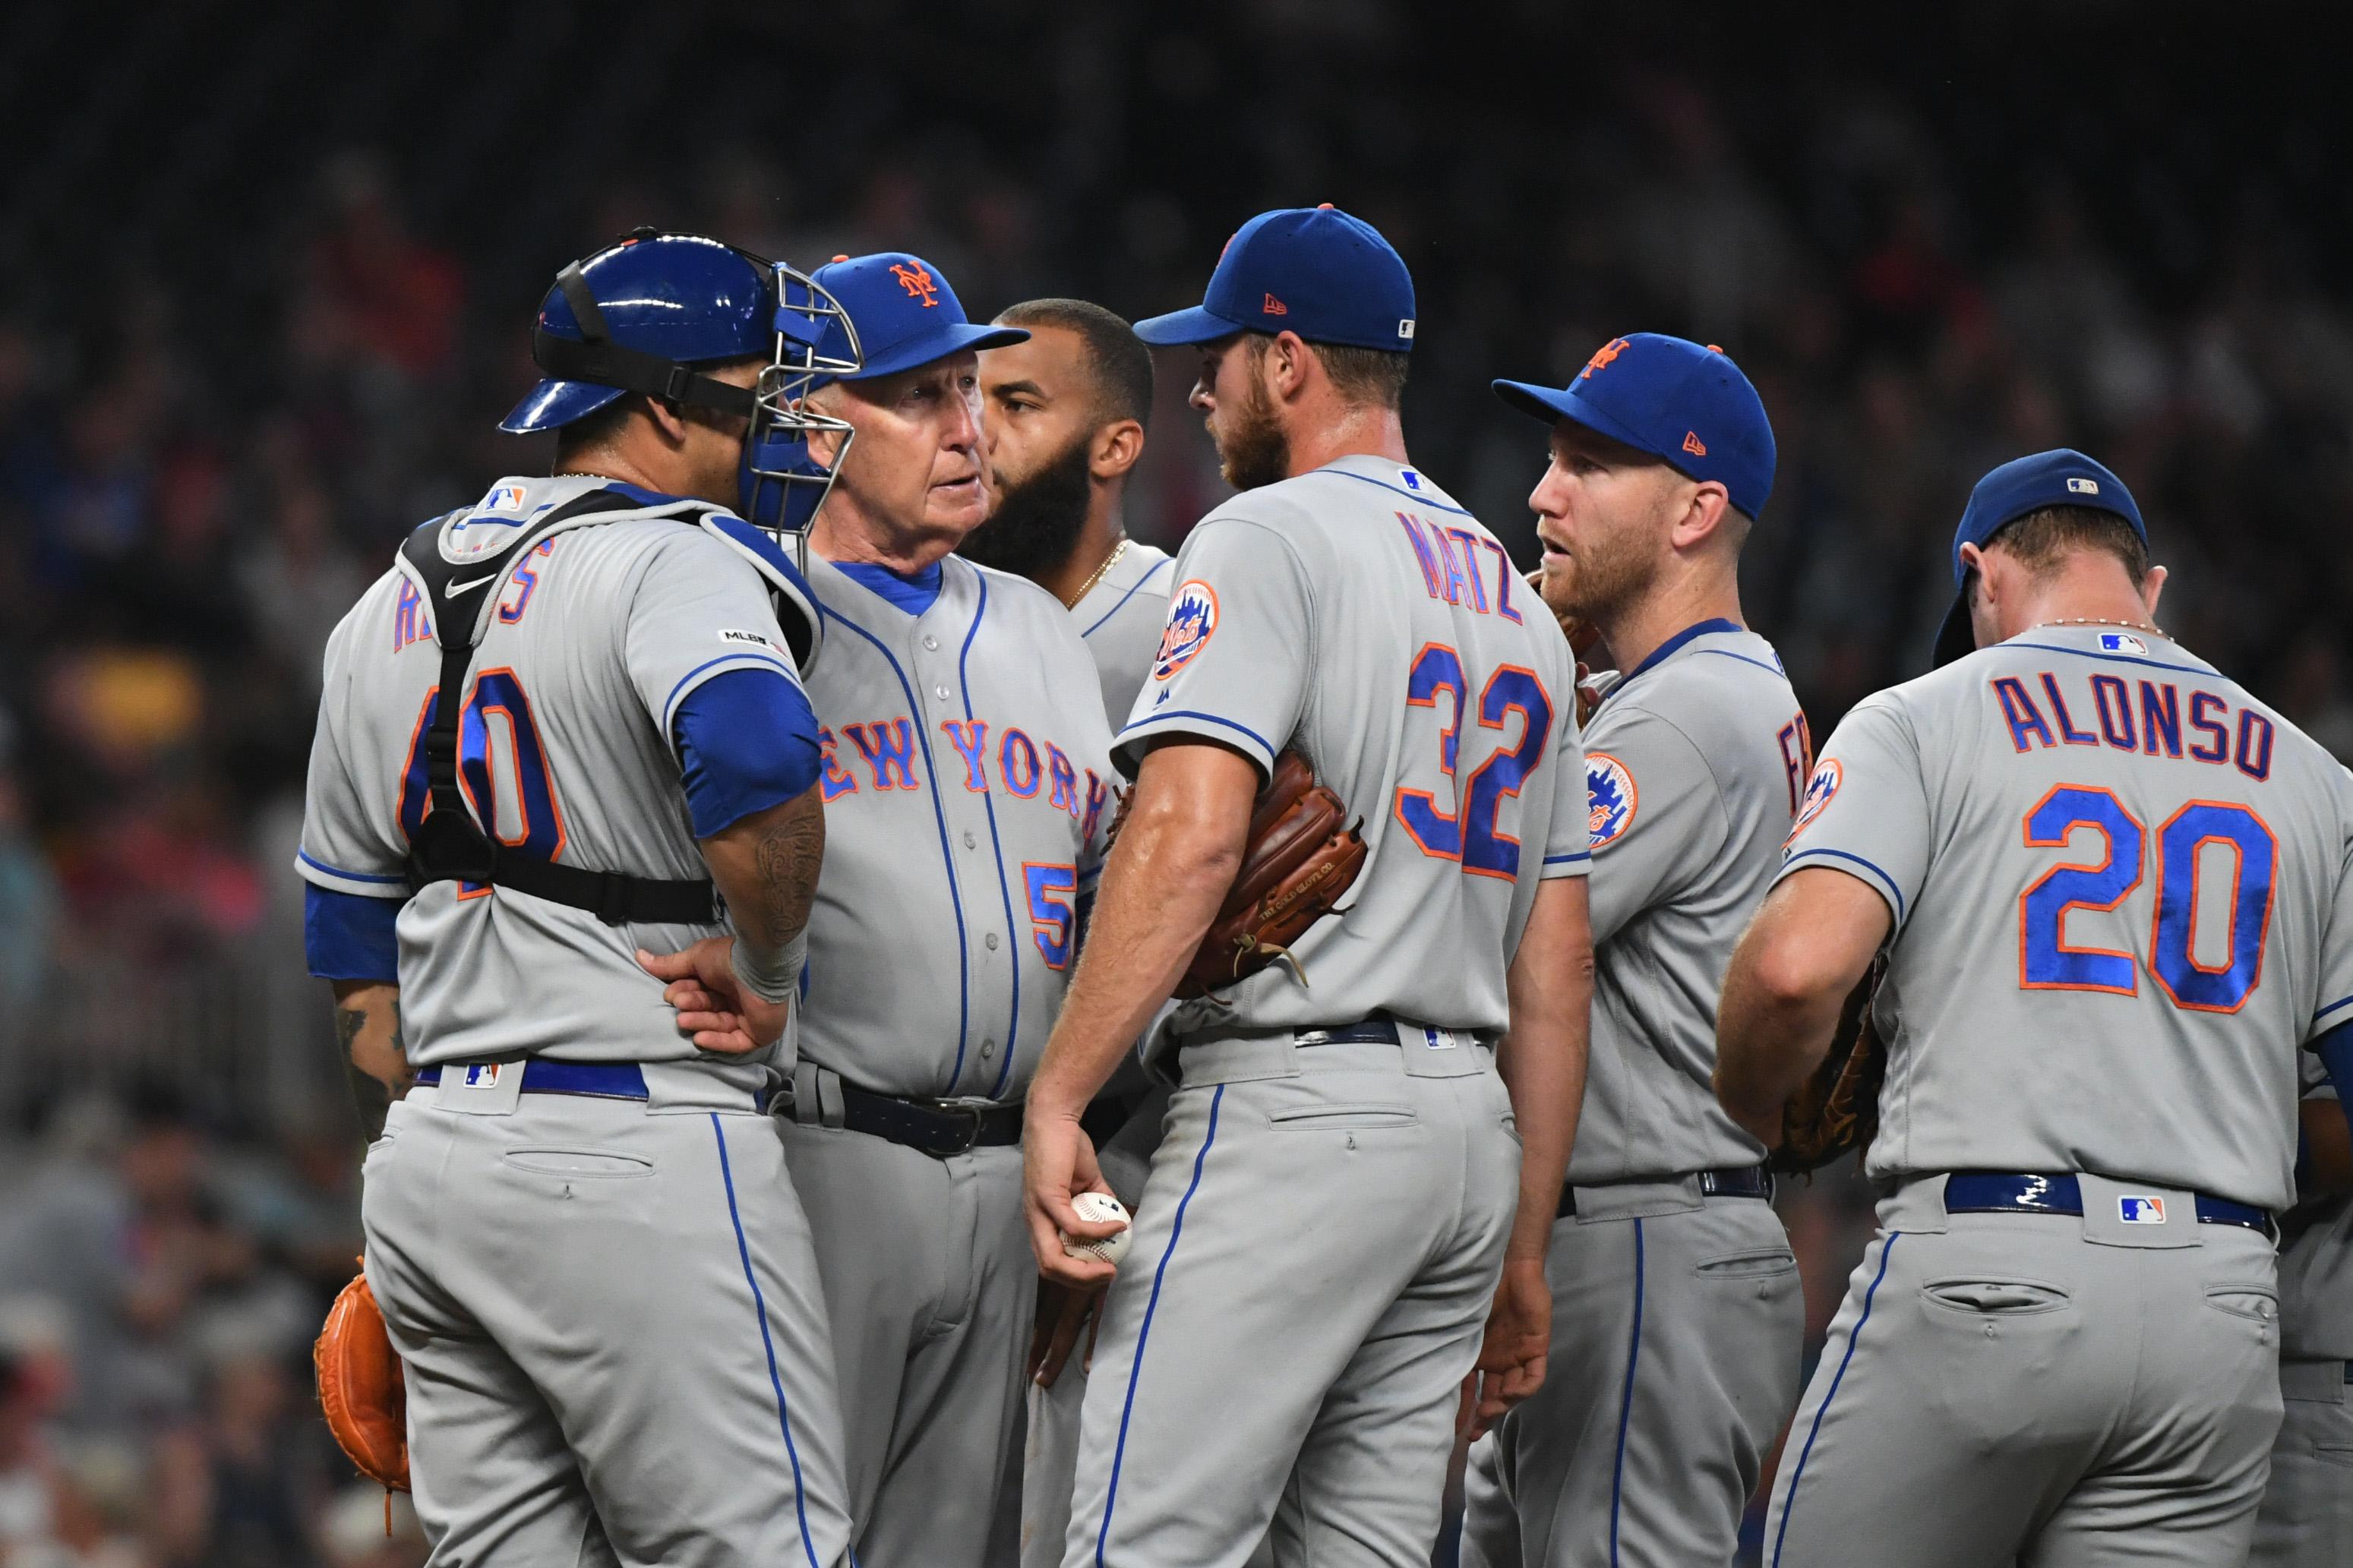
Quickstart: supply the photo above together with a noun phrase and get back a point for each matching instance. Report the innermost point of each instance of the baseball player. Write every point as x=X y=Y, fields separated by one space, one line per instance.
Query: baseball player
x=2307 y=1518
x=2112 y=890
x=1064 y=416
x=1341 y=1186
x=1677 y=1318
x=968 y=782
x=566 y=718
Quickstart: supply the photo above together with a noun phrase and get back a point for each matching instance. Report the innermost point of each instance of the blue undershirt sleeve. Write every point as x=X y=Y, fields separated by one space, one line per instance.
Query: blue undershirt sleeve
x=2335 y=1050
x=746 y=741
x=347 y=937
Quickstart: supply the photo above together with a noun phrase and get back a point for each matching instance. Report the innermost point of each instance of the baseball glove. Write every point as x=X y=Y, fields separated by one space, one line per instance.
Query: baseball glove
x=361 y=1388
x=1299 y=859
x=1592 y=685
x=1838 y=1107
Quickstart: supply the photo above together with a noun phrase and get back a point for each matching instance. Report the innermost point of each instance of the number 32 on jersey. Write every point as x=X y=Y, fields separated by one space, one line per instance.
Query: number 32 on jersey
x=1465 y=829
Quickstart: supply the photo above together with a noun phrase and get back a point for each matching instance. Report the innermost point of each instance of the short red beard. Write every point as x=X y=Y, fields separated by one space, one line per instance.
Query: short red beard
x=1252 y=449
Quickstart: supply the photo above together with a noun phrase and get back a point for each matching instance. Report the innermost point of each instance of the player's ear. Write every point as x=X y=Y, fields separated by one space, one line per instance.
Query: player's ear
x=1704 y=518
x=1285 y=365
x=1117 y=445
x=2151 y=586
x=669 y=418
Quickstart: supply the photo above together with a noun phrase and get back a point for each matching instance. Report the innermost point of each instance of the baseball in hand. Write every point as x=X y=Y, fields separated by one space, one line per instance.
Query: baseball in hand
x=1100 y=1206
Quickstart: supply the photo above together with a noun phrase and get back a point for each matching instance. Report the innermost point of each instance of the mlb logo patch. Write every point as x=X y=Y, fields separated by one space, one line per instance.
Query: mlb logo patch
x=505 y=497
x=2141 y=1210
x=1409 y=479
x=482 y=1074
x=1192 y=621
x=2121 y=642
x=1405 y=329
x=2083 y=486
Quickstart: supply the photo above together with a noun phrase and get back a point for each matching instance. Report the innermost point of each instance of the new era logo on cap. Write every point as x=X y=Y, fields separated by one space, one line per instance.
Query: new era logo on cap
x=1694 y=445
x=2083 y=486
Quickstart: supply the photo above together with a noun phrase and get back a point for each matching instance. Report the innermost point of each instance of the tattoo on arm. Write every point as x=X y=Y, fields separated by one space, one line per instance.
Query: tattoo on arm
x=787 y=859
x=371 y=1095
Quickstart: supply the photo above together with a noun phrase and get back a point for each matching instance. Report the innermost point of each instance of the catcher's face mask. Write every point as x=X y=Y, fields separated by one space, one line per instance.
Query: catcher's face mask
x=782 y=485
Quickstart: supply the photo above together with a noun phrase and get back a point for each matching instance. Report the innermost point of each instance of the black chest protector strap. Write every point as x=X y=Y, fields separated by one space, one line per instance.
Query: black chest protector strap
x=448 y=844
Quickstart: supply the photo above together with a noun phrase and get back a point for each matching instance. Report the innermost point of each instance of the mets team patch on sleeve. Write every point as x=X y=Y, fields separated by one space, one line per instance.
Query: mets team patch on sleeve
x=1192 y=620
x=1819 y=790
x=1609 y=792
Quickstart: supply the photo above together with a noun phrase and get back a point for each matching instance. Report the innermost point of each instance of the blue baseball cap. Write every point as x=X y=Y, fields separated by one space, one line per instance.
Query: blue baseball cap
x=1685 y=404
x=904 y=311
x=1315 y=271
x=2061 y=478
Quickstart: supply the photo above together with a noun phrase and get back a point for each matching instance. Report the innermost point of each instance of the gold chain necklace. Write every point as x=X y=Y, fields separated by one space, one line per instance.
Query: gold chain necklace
x=1088 y=586
x=2147 y=626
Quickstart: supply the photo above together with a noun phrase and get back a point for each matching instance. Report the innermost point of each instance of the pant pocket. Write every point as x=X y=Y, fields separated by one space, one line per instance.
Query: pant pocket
x=1354 y=1118
x=1754 y=1263
x=2252 y=1303
x=1980 y=1297
x=594 y=1164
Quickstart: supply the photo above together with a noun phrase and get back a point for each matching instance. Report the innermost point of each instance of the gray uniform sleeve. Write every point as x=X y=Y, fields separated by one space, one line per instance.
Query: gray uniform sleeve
x=1233 y=658
x=698 y=612
x=342 y=849
x=1866 y=807
x=1656 y=818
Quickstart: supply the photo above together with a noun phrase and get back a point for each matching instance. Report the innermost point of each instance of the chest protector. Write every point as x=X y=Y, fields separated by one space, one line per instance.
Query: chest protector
x=448 y=844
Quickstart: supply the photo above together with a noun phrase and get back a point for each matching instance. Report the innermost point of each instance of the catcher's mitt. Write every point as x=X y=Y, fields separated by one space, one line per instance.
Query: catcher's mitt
x=1302 y=856
x=1838 y=1107
x=361 y=1388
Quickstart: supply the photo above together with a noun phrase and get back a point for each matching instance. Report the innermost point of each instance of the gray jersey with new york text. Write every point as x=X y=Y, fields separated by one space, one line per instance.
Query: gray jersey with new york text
x=598 y=634
x=967 y=788
x=1695 y=765
x=1358 y=615
x=2121 y=903
x=1121 y=618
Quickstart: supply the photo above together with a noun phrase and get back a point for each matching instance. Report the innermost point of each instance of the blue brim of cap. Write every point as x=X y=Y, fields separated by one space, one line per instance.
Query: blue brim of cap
x=1181 y=327
x=1957 y=639
x=554 y=403
x=936 y=344
x=1550 y=403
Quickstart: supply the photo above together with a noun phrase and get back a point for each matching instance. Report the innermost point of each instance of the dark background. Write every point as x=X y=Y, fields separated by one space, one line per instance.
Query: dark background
x=265 y=280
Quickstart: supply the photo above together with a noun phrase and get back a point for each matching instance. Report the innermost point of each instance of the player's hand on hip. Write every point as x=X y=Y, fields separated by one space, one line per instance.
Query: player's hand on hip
x=714 y=1011
x=1058 y=1163
x=1519 y=1338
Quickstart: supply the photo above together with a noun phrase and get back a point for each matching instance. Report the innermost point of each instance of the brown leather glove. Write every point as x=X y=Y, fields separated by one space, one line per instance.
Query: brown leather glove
x=1838 y=1107
x=1591 y=686
x=361 y=1388
x=1300 y=856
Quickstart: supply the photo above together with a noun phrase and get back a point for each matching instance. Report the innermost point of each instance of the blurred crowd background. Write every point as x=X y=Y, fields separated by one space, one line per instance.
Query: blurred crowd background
x=265 y=280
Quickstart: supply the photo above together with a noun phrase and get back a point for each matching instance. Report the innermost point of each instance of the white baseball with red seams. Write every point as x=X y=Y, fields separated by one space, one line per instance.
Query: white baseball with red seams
x=1100 y=1208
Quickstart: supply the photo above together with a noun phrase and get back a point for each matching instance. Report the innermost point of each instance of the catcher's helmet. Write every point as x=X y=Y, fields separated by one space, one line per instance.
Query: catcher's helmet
x=641 y=314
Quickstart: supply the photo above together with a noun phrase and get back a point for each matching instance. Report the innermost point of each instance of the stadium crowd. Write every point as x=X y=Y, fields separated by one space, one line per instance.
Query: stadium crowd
x=185 y=513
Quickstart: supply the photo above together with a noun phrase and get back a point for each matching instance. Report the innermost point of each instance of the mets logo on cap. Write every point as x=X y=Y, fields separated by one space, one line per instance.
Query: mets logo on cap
x=1819 y=790
x=1610 y=794
x=1192 y=621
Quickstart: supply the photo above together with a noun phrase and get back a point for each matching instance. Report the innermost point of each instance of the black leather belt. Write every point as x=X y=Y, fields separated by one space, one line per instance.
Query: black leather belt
x=1731 y=1182
x=936 y=1127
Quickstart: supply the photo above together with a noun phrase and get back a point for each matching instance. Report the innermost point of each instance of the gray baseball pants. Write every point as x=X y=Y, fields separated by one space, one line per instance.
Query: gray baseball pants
x=930 y=1285
x=614 y=1343
x=1678 y=1329
x=1317 y=1247
x=2307 y=1518
x=2064 y=1393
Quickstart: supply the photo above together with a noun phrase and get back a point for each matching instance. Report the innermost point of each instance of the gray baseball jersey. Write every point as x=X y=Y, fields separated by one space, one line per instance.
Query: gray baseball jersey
x=1356 y=615
x=1694 y=766
x=599 y=633
x=1121 y=618
x=968 y=794
x=1677 y=1317
x=2121 y=900
x=968 y=790
x=1443 y=716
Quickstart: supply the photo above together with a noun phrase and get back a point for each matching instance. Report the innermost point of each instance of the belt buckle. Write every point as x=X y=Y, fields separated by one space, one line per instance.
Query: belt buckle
x=967 y=1112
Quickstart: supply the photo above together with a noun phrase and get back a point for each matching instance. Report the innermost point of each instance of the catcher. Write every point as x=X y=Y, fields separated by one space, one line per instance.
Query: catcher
x=1676 y=1308
x=1340 y=1189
